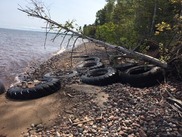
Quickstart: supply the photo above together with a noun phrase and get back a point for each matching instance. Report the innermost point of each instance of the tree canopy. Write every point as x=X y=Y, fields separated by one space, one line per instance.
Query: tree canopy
x=126 y=22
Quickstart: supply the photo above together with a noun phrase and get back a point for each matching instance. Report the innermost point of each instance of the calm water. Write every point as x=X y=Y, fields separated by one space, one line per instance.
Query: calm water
x=19 y=48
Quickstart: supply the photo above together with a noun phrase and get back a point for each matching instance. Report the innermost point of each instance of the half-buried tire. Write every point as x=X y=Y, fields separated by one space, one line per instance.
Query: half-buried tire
x=88 y=65
x=44 y=88
x=100 y=76
x=92 y=59
x=124 y=66
x=143 y=76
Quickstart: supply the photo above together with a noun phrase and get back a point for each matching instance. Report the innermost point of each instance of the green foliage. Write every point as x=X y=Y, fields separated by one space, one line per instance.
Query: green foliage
x=107 y=32
x=114 y=23
x=125 y=22
x=105 y=15
x=89 y=30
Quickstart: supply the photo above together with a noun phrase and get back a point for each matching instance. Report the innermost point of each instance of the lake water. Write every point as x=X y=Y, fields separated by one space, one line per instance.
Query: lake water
x=19 y=48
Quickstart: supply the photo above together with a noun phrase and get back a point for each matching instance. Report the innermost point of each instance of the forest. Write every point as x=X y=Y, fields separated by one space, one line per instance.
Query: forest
x=130 y=22
x=147 y=26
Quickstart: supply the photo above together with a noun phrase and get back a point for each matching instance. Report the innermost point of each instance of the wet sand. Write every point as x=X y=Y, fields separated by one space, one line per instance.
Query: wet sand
x=16 y=116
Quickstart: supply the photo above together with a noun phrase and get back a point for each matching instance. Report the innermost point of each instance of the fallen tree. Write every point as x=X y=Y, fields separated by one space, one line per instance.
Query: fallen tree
x=39 y=11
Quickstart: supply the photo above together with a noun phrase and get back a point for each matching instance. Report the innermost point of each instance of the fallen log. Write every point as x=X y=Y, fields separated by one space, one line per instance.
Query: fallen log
x=131 y=53
x=35 y=12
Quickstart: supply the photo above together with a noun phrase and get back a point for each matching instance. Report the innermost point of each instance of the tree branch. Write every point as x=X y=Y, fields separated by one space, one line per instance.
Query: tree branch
x=34 y=13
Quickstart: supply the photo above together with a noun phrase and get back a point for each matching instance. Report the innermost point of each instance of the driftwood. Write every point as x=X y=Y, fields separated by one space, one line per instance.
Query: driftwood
x=132 y=53
x=175 y=104
x=38 y=12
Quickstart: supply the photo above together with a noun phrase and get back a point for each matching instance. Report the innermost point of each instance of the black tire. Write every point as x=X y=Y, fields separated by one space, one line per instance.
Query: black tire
x=125 y=66
x=67 y=74
x=88 y=65
x=81 y=56
x=92 y=59
x=46 y=87
x=143 y=76
x=100 y=76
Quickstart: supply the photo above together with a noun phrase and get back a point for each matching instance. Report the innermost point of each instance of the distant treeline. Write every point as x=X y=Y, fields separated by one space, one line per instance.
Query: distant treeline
x=131 y=23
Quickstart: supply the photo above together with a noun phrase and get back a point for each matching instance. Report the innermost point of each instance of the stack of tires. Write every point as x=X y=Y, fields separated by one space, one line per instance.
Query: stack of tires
x=92 y=71
x=129 y=73
x=87 y=64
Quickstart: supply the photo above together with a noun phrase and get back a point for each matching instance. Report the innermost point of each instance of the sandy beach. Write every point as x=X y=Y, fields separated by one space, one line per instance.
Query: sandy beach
x=79 y=110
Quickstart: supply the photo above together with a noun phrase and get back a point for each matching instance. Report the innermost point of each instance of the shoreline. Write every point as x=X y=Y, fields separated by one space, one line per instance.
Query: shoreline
x=33 y=64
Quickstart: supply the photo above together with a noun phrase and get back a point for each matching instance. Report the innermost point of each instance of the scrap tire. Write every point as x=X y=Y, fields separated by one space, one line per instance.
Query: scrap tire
x=100 y=76
x=88 y=65
x=143 y=76
x=97 y=59
x=125 y=66
x=81 y=56
x=46 y=87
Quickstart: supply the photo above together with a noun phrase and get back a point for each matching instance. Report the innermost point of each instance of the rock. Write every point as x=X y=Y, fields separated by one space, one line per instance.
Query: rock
x=32 y=125
x=131 y=135
x=136 y=125
x=39 y=126
x=169 y=129
x=58 y=134
x=94 y=126
x=80 y=130
x=26 y=135
x=38 y=130
x=121 y=133
x=142 y=133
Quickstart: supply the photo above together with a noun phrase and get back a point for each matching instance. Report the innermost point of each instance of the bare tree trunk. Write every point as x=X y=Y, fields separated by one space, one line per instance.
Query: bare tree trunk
x=153 y=18
x=132 y=53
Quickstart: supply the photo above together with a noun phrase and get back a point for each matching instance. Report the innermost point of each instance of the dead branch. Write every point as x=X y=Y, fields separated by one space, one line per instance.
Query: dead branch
x=175 y=104
x=63 y=39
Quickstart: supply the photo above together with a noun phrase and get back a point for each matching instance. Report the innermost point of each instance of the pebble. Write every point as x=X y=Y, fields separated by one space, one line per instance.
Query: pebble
x=80 y=130
x=135 y=124
x=142 y=133
x=39 y=126
x=94 y=126
x=131 y=135
x=32 y=125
